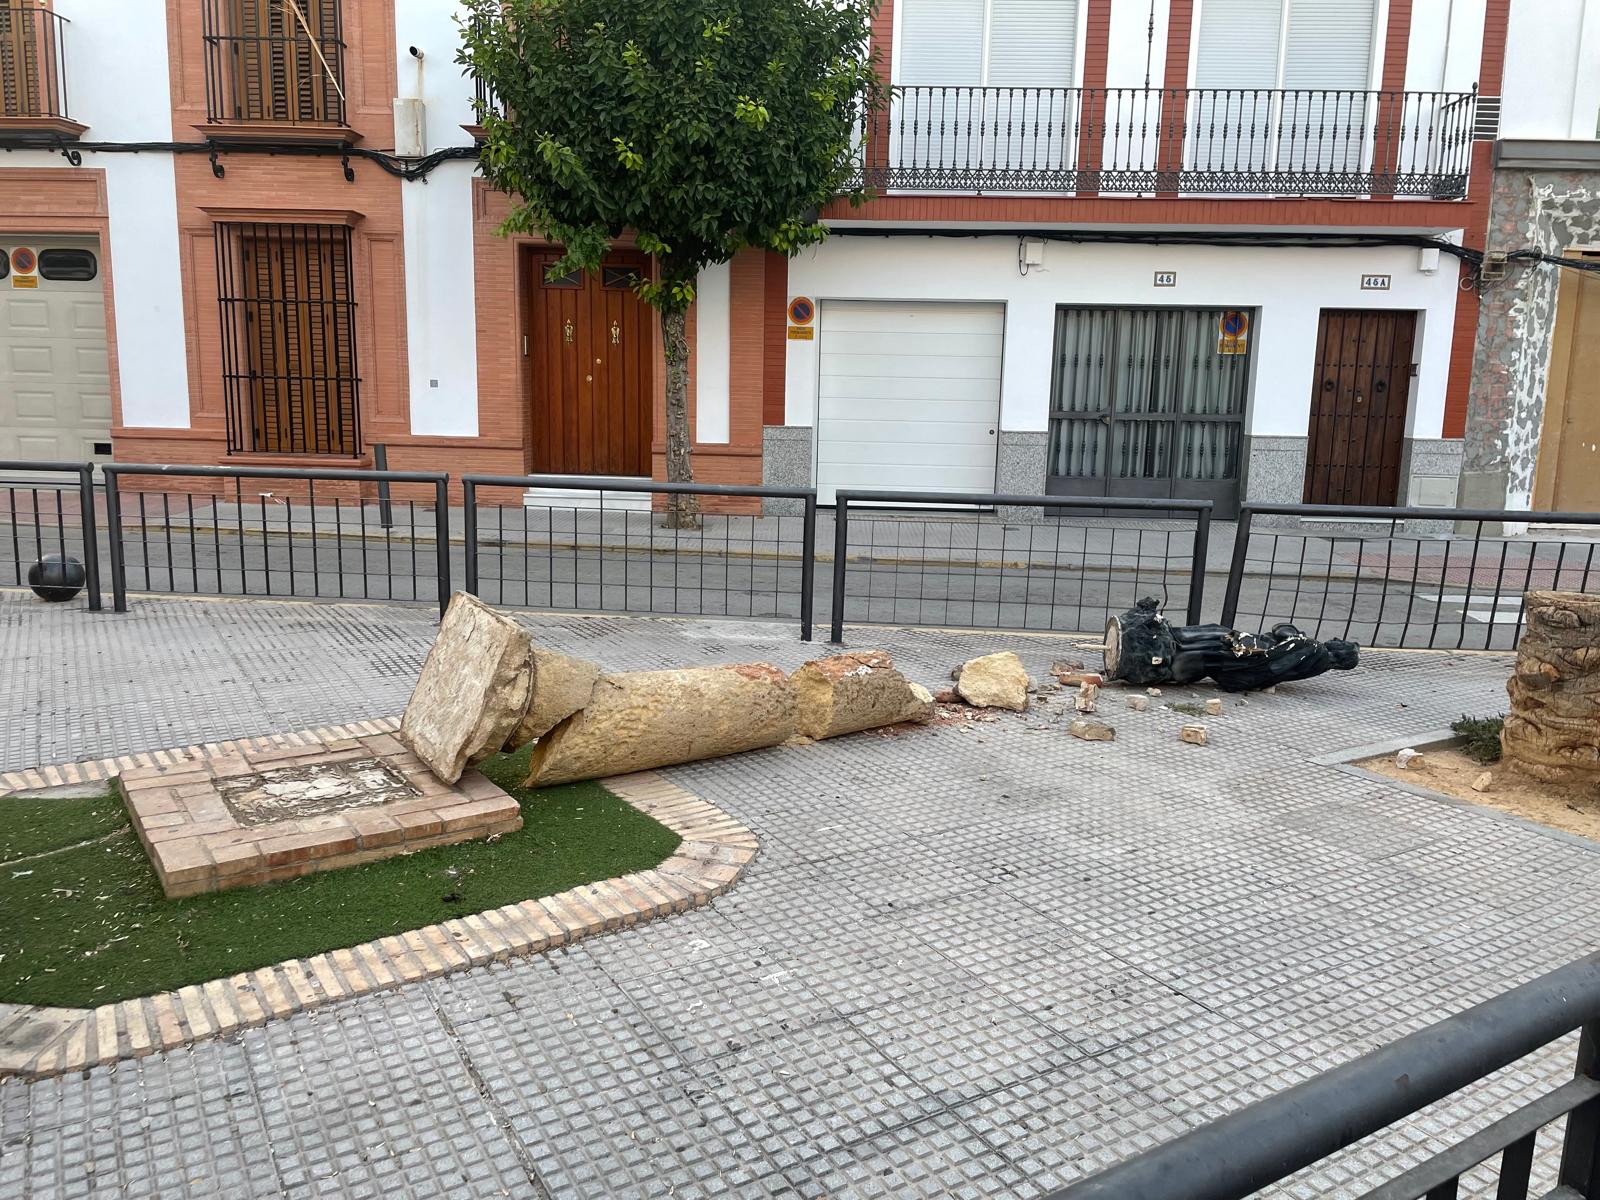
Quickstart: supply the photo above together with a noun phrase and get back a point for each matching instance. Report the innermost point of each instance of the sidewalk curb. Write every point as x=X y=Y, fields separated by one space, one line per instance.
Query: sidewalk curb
x=38 y=1042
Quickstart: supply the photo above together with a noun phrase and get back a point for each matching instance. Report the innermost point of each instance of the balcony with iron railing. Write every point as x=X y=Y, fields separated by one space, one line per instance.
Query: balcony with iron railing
x=33 y=75
x=274 y=69
x=1172 y=141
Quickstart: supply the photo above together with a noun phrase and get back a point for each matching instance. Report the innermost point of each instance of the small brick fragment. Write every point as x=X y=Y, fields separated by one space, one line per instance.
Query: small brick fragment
x=1152 y=691
x=1195 y=735
x=1139 y=703
x=1079 y=678
x=1213 y=708
x=1483 y=782
x=1092 y=731
x=1088 y=693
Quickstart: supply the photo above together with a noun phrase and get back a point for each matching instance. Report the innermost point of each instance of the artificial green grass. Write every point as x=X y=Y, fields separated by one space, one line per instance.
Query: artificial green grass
x=88 y=924
x=30 y=827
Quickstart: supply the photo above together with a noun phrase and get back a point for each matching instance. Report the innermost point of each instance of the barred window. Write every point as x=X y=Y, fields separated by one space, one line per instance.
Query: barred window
x=288 y=338
x=274 y=61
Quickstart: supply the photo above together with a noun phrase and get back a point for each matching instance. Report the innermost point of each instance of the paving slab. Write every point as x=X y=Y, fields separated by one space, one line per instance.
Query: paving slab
x=971 y=960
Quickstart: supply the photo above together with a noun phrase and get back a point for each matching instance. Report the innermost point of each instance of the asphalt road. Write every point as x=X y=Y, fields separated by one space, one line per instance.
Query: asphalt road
x=1373 y=607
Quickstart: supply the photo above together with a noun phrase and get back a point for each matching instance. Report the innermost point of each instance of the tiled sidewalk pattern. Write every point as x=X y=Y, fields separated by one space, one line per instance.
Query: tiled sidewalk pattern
x=971 y=961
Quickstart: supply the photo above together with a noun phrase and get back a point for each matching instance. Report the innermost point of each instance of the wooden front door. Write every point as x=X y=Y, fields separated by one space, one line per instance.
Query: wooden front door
x=1359 y=396
x=590 y=360
x=1569 y=442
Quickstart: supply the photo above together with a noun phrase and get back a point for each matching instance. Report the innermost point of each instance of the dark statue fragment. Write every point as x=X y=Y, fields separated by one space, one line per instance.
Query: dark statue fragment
x=1143 y=647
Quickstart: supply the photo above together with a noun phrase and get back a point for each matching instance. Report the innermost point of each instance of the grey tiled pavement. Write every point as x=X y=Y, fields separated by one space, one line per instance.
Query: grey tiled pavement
x=968 y=962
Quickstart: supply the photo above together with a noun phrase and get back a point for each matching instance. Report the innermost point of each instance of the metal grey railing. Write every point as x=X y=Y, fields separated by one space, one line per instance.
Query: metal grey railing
x=989 y=571
x=279 y=537
x=1247 y=1151
x=1369 y=575
x=48 y=508
x=599 y=553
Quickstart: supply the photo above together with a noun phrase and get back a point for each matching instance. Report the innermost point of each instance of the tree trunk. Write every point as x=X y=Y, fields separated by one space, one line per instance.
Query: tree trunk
x=683 y=510
x=1550 y=732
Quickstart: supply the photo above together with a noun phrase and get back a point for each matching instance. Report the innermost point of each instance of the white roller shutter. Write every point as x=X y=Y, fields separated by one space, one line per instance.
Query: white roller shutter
x=1032 y=43
x=1238 y=45
x=1028 y=43
x=941 y=43
x=908 y=396
x=1329 y=44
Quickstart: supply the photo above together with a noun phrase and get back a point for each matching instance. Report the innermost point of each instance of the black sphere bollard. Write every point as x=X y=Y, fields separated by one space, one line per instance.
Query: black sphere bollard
x=56 y=577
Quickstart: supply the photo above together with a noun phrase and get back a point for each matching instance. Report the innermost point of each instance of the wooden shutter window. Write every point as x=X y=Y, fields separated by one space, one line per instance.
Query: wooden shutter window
x=264 y=67
x=288 y=323
x=20 y=37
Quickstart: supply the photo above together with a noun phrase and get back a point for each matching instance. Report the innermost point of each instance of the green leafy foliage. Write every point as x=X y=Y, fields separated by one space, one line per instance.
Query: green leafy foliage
x=1480 y=736
x=704 y=126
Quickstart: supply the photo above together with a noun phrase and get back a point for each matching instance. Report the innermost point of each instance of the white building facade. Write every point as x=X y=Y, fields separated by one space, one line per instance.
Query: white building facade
x=1158 y=248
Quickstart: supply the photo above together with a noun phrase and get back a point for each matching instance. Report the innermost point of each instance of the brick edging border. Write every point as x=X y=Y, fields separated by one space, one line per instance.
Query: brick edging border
x=39 y=1042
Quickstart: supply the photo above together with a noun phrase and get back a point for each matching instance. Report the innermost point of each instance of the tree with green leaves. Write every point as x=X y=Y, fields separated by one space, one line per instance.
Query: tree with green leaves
x=701 y=126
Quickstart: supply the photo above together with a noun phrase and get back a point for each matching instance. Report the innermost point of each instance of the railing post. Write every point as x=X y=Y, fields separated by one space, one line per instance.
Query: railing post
x=841 y=547
x=469 y=532
x=808 y=566
x=119 y=567
x=91 y=542
x=1197 y=566
x=380 y=461
x=1580 y=1152
x=441 y=538
x=1241 y=547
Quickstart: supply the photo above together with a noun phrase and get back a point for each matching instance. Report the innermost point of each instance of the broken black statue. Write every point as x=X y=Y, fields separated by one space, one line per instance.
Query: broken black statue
x=1143 y=647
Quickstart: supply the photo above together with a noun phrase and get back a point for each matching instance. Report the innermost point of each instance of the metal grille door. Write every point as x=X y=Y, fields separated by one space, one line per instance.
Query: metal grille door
x=1148 y=402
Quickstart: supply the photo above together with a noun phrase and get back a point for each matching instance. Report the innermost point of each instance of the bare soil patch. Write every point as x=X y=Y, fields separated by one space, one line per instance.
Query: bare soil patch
x=1447 y=769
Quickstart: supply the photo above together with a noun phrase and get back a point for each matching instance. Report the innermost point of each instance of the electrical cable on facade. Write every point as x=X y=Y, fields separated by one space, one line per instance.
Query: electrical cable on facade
x=409 y=169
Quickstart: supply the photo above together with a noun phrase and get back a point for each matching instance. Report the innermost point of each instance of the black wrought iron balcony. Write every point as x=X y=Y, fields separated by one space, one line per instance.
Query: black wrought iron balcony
x=1147 y=141
x=274 y=65
x=33 y=76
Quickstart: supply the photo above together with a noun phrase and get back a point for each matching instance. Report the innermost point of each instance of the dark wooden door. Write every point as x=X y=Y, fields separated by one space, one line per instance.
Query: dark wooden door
x=590 y=353
x=1359 y=395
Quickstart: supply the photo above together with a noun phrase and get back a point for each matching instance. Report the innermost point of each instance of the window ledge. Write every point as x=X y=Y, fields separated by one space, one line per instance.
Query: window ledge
x=59 y=127
x=277 y=131
x=308 y=460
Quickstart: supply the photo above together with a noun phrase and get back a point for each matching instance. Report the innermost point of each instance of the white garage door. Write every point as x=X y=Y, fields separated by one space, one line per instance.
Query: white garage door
x=908 y=397
x=55 y=384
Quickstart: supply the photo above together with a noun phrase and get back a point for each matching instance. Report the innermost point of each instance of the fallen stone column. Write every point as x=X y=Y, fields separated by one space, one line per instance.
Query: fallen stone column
x=643 y=719
x=561 y=686
x=1553 y=729
x=851 y=692
x=485 y=687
